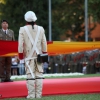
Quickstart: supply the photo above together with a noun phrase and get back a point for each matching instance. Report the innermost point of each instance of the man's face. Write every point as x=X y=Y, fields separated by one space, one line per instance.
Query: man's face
x=4 y=25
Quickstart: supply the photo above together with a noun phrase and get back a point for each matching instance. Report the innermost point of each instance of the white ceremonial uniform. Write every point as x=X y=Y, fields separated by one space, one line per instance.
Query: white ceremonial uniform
x=34 y=84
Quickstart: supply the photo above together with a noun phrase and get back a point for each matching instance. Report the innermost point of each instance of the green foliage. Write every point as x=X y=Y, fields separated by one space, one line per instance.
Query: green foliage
x=94 y=9
x=65 y=15
x=69 y=13
x=14 y=11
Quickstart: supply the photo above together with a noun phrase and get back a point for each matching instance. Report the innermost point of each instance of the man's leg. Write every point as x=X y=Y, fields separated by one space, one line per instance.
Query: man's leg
x=30 y=86
x=39 y=80
x=39 y=85
x=30 y=80
x=23 y=69
x=8 y=69
x=2 y=71
x=19 y=69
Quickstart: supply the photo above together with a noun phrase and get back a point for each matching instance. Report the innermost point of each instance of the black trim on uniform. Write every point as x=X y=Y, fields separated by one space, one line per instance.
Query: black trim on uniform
x=39 y=78
x=31 y=79
x=35 y=78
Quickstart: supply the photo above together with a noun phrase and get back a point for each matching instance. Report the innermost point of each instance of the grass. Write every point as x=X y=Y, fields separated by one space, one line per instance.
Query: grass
x=92 y=96
x=78 y=76
x=65 y=97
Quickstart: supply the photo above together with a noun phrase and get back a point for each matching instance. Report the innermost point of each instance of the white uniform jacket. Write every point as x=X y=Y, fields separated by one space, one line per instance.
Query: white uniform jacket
x=24 y=43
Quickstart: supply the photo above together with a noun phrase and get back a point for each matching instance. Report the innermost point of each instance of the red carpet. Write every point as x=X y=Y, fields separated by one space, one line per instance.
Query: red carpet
x=52 y=87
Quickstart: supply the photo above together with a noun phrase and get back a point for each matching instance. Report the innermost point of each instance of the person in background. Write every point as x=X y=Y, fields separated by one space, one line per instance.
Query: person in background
x=45 y=67
x=21 y=67
x=5 y=62
x=84 y=67
x=30 y=50
x=14 y=65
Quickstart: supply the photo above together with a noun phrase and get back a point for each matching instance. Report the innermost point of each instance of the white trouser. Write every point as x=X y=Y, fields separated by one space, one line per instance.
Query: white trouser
x=34 y=85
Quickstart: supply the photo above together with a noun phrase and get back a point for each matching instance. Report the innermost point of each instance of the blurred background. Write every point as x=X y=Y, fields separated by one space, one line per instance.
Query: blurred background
x=63 y=20
x=67 y=17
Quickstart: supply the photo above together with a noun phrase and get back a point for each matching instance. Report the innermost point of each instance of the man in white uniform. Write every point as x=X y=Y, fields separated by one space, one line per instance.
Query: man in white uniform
x=29 y=46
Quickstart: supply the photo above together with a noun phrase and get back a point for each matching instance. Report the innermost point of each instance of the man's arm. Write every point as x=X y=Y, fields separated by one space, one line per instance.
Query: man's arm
x=20 y=44
x=44 y=42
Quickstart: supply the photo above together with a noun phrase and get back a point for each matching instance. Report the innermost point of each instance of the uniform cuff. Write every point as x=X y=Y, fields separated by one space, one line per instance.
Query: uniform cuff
x=44 y=52
x=20 y=55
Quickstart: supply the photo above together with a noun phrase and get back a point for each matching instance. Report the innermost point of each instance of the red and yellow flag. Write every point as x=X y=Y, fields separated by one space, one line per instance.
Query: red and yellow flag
x=10 y=48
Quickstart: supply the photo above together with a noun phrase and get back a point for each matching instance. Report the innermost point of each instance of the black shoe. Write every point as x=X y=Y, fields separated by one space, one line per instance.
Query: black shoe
x=9 y=80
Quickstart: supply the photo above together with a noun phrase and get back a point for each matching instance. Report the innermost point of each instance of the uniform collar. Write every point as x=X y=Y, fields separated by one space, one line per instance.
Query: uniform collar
x=5 y=30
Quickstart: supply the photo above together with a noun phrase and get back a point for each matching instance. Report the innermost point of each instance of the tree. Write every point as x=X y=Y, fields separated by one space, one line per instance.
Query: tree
x=67 y=15
x=94 y=9
x=14 y=11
